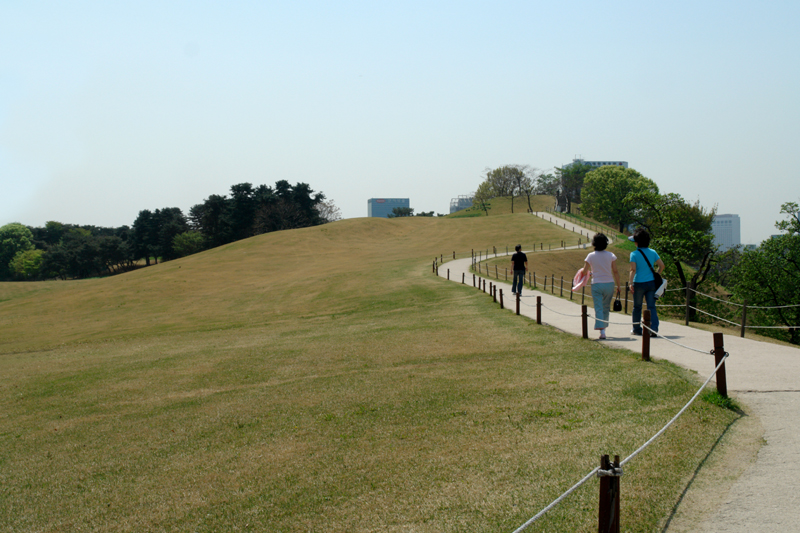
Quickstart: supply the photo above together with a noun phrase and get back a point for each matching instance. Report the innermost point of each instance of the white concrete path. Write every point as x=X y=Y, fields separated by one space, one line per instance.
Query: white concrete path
x=763 y=376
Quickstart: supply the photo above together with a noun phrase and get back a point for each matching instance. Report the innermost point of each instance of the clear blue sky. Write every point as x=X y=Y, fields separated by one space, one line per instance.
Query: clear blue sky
x=108 y=108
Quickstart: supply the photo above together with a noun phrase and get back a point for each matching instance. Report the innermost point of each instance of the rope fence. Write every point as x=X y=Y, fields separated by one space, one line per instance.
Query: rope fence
x=669 y=301
x=608 y=472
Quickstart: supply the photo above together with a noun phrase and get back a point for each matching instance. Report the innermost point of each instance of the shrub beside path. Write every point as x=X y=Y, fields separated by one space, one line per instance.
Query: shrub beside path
x=763 y=377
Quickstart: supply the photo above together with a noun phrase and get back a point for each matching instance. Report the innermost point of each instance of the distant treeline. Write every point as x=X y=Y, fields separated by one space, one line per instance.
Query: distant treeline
x=69 y=251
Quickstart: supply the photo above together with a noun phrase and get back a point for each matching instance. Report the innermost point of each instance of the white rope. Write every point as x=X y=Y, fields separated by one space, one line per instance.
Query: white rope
x=704 y=352
x=742 y=305
x=627 y=459
x=714 y=316
x=685 y=407
x=558 y=500
x=562 y=314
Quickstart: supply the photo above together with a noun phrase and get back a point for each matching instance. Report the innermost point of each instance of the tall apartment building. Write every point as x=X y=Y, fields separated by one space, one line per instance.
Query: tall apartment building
x=382 y=207
x=727 y=231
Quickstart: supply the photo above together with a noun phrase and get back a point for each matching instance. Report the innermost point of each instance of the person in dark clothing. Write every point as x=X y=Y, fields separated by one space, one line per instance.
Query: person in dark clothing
x=519 y=262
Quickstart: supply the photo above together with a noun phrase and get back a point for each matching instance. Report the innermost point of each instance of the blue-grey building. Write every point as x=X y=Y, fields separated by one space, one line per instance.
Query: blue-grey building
x=382 y=207
x=462 y=202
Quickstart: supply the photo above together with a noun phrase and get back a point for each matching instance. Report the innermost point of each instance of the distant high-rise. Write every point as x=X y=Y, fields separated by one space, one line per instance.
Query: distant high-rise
x=382 y=207
x=597 y=164
x=727 y=231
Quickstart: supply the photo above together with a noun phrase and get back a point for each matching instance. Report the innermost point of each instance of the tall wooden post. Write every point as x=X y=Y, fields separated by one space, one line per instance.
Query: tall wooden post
x=627 y=290
x=518 y=303
x=687 y=304
x=719 y=353
x=584 y=322
x=608 y=513
x=538 y=309
x=646 y=335
x=744 y=317
x=501 y=299
x=561 y=293
x=463 y=278
x=448 y=274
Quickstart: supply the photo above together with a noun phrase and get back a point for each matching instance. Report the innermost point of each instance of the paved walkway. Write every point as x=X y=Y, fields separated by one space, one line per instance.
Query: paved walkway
x=761 y=376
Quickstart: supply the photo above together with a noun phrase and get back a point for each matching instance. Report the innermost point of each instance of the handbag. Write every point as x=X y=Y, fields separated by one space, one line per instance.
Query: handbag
x=617 y=304
x=661 y=283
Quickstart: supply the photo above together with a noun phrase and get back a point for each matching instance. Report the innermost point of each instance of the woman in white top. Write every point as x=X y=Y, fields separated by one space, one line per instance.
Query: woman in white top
x=603 y=266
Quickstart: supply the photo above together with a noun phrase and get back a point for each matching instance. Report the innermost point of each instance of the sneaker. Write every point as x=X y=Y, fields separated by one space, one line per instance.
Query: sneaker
x=634 y=332
x=602 y=336
x=653 y=335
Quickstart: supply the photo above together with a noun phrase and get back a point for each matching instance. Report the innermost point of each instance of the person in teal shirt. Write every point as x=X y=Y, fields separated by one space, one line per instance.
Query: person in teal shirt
x=642 y=281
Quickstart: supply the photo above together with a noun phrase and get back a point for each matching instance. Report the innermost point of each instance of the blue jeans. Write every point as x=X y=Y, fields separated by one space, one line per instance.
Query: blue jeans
x=646 y=291
x=602 y=294
x=519 y=281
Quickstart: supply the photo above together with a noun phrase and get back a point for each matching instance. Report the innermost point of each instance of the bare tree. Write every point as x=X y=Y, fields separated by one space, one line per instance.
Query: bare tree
x=328 y=211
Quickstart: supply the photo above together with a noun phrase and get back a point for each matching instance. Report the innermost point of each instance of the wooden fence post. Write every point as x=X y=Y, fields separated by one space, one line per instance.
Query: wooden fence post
x=608 y=513
x=473 y=280
x=744 y=317
x=448 y=274
x=501 y=299
x=553 y=284
x=561 y=294
x=463 y=278
x=584 y=322
x=518 y=298
x=646 y=335
x=538 y=309
x=719 y=353
x=687 y=304
x=627 y=288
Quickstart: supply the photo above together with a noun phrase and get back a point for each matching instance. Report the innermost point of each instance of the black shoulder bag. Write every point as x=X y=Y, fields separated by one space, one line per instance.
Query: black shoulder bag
x=656 y=276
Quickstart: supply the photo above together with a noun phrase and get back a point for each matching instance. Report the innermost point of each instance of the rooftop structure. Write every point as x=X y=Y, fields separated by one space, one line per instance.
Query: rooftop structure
x=462 y=202
x=597 y=164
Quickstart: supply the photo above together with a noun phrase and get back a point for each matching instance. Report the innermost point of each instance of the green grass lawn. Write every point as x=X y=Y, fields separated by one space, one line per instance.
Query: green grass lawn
x=324 y=380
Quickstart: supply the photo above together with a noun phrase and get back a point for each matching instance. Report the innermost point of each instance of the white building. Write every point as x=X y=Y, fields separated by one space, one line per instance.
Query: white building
x=727 y=231
x=598 y=164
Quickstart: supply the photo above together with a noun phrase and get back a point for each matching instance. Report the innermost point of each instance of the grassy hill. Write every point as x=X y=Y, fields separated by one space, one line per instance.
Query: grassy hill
x=502 y=206
x=323 y=379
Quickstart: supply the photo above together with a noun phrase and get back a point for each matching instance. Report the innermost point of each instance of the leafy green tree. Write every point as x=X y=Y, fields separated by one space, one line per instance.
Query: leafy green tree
x=170 y=222
x=792 y=226
x=27 y=265
x=188 y=243
x=547 y=184
x=401 y=212
x=145 y=236
x=769 y=276
x=482 y=196
x=507 y=180
x=606 y=189
x=681 y=234
x=571 y=178
x=14 y=238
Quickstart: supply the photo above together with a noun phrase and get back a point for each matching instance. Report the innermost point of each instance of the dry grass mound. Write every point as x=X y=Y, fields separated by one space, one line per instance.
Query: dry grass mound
x=322 y=380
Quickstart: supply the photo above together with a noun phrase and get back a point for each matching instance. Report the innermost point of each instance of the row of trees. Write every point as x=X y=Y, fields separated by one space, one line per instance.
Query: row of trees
x=765 y=277
x=67 y=251
x=514 y=181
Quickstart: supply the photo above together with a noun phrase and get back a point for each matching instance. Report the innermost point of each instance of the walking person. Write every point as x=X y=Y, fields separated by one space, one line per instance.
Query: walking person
x=519 y=263
x=644 y=262
x=605 y=278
